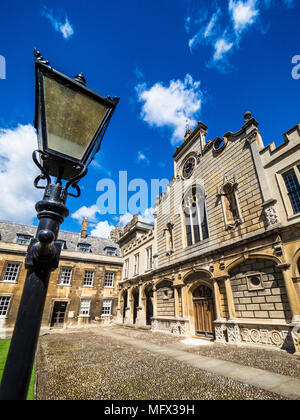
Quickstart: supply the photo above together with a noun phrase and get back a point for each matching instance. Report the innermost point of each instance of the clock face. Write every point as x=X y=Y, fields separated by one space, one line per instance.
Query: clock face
x=189 y=167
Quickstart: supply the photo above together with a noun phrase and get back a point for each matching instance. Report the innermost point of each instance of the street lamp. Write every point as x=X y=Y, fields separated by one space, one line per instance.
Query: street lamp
x=70 y=120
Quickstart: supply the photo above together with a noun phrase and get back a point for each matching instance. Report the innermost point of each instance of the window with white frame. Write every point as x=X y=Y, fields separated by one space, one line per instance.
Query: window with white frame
x=106 y=307
x=292 y=183
x=109 y=279
x=111 y=251
x=65 y=276
x=88 y=279
x=149 y=258
x=84 y=247
x=11 y=272
x=4 y=305
x=126 y=269
x=85 y=306
x=136 y=264
x=23 y=239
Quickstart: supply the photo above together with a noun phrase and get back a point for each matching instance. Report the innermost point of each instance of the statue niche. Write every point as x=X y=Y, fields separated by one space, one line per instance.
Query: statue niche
x=230 y=204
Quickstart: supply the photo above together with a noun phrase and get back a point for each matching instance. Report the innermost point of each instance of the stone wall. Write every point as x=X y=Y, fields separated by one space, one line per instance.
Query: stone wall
x=258 y=291
x=165 y=300
x=235 y=163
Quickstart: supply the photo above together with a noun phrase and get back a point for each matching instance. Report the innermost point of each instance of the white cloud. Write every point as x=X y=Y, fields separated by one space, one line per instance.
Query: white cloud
x=187 y=24
x=243 y=13
x=59 y=22
x=225 y=35
x=102 y=230
x=207 y=30
x=171 y=106
x=211 y=24
x=222 y=46
x=89 y=212
x=125 y=218
x=66 y=29
x=17 y=173
x=147 y=216
x=141 y=157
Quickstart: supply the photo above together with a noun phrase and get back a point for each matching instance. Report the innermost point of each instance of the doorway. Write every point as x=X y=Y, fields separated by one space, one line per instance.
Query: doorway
x=204 y=311
x=124 y=305
x=135 y=295
x=149 y=304
x=58 y=314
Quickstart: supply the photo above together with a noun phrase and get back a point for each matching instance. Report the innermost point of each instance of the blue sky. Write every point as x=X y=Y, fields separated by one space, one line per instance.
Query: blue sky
x=169 y=61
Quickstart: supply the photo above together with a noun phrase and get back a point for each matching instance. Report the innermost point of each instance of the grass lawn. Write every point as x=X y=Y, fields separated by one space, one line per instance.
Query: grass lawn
x=4 y=346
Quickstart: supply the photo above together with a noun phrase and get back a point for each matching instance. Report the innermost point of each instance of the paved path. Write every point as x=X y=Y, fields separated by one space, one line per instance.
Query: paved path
x=283 y=385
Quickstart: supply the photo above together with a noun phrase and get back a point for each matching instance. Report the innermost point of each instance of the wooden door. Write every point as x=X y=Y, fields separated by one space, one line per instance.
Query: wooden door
x=58 y=314
x=204 y=312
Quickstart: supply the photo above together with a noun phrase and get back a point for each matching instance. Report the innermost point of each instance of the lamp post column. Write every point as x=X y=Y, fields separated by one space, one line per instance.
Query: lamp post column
x=41 y=259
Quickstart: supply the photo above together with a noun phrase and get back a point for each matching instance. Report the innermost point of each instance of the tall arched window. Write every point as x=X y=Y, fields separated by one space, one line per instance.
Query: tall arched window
x=195 y=215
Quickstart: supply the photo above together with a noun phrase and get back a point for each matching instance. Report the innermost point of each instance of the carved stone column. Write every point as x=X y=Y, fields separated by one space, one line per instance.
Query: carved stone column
x=154 y=301
x=176 y=302
x=184 y=298
x=218 y=308
x=141 y=312
x=119 y=309
x=292 y=294
x=230 y=301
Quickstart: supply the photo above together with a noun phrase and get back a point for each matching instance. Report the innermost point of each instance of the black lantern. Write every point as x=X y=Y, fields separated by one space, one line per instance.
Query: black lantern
x=70 y=120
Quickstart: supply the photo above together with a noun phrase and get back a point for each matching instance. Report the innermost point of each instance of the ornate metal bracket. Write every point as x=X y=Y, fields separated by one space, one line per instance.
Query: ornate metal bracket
x=82 y=171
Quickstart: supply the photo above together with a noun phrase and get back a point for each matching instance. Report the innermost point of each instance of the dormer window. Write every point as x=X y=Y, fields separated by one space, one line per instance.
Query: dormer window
x=23 y=239
x=62 y=244
x=84 y=248
x=111 y=251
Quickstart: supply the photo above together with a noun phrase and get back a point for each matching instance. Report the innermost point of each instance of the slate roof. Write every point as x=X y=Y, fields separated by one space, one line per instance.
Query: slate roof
x=9 y=231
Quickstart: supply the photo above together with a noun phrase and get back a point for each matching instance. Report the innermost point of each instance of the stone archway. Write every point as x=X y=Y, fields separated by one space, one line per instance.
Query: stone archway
x=148 y=291
x=200 y=303
x=204 y=314
x=135 y=304
x=124 y=303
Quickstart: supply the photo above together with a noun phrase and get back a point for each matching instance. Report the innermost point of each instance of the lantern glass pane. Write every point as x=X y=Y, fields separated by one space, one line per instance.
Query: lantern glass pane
x=72 y=118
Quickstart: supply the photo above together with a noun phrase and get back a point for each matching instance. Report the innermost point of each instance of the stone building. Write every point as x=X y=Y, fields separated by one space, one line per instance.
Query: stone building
x=82 y=290
x=227 y=240
x=139 y=255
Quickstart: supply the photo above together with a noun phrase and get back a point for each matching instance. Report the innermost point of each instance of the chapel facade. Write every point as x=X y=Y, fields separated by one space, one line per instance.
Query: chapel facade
x=222 y=261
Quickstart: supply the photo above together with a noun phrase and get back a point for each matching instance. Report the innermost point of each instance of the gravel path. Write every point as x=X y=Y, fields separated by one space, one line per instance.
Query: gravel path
x=274 y=361
x=85 y=365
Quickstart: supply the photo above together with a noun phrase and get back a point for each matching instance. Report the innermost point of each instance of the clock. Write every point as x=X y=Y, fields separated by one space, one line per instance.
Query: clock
x=189 y=167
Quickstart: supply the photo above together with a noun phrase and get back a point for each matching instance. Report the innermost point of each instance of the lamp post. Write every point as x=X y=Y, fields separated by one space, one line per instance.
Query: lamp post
x=70 y=120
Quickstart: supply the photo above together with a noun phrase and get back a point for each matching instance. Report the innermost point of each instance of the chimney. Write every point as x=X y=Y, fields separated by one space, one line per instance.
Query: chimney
x=84 y=226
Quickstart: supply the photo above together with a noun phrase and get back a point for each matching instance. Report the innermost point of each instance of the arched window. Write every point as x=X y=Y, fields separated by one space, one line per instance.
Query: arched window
x=195 y=215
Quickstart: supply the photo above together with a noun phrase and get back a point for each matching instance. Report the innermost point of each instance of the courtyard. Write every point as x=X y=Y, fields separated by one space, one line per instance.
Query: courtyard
x=116 y=363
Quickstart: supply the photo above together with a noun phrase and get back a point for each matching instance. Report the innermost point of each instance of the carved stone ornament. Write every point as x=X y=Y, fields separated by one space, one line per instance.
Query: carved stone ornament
x=220 y=333
x=271 y=216
x=233 y=333
x=280 y=338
